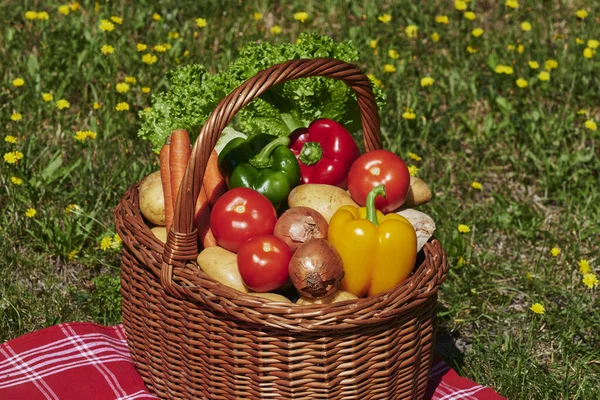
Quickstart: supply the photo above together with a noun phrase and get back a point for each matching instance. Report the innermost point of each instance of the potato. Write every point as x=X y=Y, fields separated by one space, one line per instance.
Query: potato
x=418 y=193
x=326 y=199
x=274 y=297
x=152 y=199
x=221 y=265
x=160 y=232
x=339 y=295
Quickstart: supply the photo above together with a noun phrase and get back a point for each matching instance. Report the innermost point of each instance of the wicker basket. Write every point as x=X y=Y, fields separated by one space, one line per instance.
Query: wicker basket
x=191 y=337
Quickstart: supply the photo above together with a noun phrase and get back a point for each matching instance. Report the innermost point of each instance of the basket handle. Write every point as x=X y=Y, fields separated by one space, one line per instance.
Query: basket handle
x=182 y=242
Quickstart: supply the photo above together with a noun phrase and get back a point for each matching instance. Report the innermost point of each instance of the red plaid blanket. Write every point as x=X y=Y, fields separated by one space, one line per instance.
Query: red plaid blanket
x=88 y=361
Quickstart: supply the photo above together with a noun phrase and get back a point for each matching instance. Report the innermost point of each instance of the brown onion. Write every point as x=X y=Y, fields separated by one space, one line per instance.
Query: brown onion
x=316 y=269
x=300 y=224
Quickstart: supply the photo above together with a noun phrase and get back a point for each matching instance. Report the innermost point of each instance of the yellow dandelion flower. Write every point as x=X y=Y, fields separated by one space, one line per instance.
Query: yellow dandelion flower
x=257 y=16
x=522 y=83
x=414 y=156
x=590 y=280
x=393 y=54
x=62 y=104
x=116 y=20
x=149 y=58
x=141 y=47
x=442 y=19
x=588 y=53
x=186 y=53
x=427 y=81
x=373 y=44
x=122 y=87
x=385 y=18
x=80 y=135
x=528 y=275
x=476 y=185
x=461 y=261
x=537 y=308
x=512 y=4
x=16 y=180
x=16 y=117
x=550 y=65
x=520 y=49
x=470 y=15
x=75 y=6
x=201 y=22
x=73 y=254
x=97 y=105
x=460 y=5
x=47 y=97
x=106 y=26
x=160 y=48
x=18 y=82
x=510 y=47
x=173 y=35
x=409 y=114
x=526 y=26
x=71 y=208
x=107 y=49
x=579 y=41
x=122 y=106
x=555 y=251
x=462 y=228
x=435 y=37
x=582 y=112
x=64 y=9
x=389 y=68
x=533 y=64
x=10 y=157
x=31 y=15
x=593 y=44
x=301 y=16
x=145 y=90
x=10 y=139
x=130 y=79
x=413 y=170
x=581 y=14
x=106 y=242
x=43 y=16
x=477 y=32
x=30 y=213
x=275 y=30
x=411 y=31
x=156 y=17
x=584 y=266
x=504 y=69
x=544 y=76
x=116 y=243
x=472 y=49
x=591 y=125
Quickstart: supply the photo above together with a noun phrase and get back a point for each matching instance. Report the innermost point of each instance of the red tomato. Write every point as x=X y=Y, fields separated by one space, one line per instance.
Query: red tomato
x=263 y=262
x=379 y=167
x=240 y=214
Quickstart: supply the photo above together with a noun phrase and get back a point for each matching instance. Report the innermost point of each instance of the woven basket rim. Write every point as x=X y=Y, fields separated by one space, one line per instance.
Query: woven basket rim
x=193 y=284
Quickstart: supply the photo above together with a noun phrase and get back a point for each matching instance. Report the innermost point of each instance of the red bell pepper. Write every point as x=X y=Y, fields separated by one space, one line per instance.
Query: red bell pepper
x=325 y=151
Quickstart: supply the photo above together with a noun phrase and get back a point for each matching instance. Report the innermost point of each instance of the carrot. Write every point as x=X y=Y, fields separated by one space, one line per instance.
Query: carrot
x=213 y=181
x=165 y=177
x=202 y=220
x=180 y=154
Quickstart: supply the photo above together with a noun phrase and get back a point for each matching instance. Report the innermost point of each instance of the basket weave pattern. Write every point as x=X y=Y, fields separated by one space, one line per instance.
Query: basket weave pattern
x=191 y=337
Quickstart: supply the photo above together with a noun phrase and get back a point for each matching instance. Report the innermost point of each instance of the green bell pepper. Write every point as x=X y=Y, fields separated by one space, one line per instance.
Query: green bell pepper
x=263 y=163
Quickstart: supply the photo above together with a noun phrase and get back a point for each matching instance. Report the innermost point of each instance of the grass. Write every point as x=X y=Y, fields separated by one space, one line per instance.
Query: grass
x=530 y=149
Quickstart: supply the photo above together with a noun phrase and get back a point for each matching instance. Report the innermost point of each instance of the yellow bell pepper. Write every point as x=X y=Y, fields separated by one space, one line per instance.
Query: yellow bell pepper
x=378 y=251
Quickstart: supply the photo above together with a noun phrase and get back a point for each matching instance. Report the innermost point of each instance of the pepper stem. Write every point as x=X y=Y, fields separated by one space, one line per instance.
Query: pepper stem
x=311 y=153
x=370 y=204
x=263 y=159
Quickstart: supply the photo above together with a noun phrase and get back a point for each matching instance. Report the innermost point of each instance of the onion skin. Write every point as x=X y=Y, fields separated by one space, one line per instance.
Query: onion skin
x=316 y=269
x=298 y=225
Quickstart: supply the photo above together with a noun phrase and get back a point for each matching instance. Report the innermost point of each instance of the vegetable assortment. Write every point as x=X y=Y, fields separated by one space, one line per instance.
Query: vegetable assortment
x=289 y=209
x=275 y=220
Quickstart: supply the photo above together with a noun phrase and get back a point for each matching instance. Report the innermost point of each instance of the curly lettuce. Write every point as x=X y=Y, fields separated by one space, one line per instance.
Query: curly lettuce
x=194 y=93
